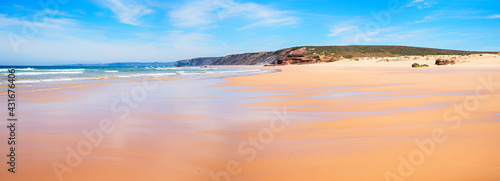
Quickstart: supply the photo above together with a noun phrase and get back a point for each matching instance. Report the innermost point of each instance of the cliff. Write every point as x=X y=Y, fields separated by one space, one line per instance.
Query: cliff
x=299 y=55
x=315 y=54
x=260 y=58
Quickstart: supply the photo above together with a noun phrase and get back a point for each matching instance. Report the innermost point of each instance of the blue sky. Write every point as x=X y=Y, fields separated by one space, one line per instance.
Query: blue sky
x=46 y=32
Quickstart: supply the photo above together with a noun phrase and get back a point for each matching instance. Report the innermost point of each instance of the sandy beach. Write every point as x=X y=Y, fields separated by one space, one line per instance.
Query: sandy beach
x=246 y=90
x=347 y=120
x=380 y=123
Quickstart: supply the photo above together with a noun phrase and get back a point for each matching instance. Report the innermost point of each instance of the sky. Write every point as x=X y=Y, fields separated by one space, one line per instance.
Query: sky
x=48 y=32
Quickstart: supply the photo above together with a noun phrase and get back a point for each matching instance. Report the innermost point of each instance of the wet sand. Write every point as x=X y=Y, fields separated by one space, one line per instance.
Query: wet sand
x=380 y=123
x=316 y=122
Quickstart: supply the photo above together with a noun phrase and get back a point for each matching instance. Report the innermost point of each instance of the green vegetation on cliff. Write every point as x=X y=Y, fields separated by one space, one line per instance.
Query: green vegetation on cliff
x=380 y=51
x=320 y=54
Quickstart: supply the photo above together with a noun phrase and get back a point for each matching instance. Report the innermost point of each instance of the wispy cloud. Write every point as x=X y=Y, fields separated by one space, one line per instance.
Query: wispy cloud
x=273 y=22
x=451 y=14
x=355 y=31
x=338 y=31
x=421 y=4
x=80 y=11
x=37 y=12
x=344 y=27
x=495 y=16
x=204 y=12
x=42 y=22
x=426 y=19
x=414 y=2
x=127 y=13
x=367 y=37
x=394 y=36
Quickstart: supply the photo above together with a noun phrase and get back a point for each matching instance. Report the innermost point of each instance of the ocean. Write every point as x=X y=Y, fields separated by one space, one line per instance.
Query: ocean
x=70 y=74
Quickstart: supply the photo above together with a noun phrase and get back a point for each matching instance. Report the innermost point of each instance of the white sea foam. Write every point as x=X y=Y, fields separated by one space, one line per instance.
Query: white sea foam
x=35 y=75
x=52 y=80
x=167 y=68
x=28 y=81
x=51 y=70
x=66 y=70
x=44 y=73
x=146 y=75
x=24 y=69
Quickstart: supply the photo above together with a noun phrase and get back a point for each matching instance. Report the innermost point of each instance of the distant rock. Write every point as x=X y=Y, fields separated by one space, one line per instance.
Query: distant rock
x=440 y=62
x=445 y=62
x=418 y=65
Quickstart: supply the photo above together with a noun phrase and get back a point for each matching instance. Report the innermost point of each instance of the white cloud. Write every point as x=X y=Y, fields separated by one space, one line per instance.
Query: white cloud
x=341 y=30
x=414 y=2
x=127 y=13
x=426 y=19
x=193 y=14
x=273 y=22
x=453 y=14
x=359 y=31
x=36 y=22
x=55 y=12
x=390 y=36
x=347 y=30
x=80 y=11
x=204 y=12
x=5 y=21
x=495 y=16
x=422 y=4
x=367 y=37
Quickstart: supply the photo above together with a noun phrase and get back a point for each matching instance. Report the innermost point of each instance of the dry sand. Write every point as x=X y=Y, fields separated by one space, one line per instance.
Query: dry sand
x=347 y=120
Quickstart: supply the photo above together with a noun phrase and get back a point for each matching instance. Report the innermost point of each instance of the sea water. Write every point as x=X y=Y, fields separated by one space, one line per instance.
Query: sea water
x=64 y=74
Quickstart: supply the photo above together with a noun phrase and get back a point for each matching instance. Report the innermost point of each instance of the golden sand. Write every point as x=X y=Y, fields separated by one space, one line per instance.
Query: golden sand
x=337 y=121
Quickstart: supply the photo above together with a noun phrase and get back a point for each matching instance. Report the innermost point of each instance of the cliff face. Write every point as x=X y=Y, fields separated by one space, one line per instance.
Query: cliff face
x=260 y=58
x=196 y=61
x=316 y=54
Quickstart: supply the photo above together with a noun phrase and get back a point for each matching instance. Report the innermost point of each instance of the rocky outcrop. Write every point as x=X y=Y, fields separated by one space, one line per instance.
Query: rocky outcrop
x=445 y=62
x=261 y=58
x=298 y=57
x=418 y=65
